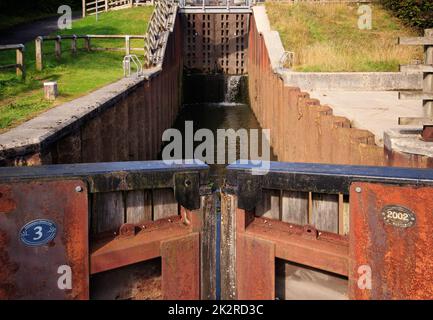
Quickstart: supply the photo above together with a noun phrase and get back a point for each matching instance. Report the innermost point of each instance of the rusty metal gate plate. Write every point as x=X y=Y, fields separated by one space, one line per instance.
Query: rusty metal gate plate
x=391 y=242
x=44 y=240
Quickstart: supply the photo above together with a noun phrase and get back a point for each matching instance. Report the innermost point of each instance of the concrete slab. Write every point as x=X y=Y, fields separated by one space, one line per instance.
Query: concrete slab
x=376 y=111
x=272 y=38
x=355 y=81
x=408 y=139
x=262 y=20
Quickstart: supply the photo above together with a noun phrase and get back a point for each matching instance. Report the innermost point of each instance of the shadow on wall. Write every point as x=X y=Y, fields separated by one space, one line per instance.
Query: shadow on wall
x=214 y=88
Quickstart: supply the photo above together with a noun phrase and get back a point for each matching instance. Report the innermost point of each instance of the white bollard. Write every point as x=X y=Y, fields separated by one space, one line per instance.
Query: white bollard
x=50 y=90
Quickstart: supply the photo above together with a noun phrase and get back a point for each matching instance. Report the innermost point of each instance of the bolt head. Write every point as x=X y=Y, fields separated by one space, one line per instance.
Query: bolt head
x=358 y=189
x=78 y=189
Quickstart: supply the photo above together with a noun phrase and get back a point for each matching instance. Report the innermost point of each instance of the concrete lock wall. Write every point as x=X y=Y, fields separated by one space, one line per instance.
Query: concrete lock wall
x=303 y=130
x=120 y=122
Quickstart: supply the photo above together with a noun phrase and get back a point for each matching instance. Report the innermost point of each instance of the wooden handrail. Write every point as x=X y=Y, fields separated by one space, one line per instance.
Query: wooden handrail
x=58 y=48
x=11 y=47
x=20 y=64
x=427 y=94
x=96 y=36
x=90 y=7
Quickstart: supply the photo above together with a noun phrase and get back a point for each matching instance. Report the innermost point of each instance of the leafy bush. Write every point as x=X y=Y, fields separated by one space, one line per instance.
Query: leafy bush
x=418 y=13
x=27 y=7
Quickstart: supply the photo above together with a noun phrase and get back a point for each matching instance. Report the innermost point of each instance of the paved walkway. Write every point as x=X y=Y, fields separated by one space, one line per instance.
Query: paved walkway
x=29 y=31
x=376 y=111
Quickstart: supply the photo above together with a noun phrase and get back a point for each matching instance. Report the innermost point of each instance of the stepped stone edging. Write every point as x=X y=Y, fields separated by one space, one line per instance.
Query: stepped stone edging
x=307 y=131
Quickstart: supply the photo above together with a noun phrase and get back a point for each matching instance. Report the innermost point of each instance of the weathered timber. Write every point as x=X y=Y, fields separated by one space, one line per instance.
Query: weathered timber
x=138 y=206
x=164 y=204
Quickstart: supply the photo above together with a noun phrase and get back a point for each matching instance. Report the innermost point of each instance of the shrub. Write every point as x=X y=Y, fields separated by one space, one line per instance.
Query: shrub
x=417 y=13
x=27 y=7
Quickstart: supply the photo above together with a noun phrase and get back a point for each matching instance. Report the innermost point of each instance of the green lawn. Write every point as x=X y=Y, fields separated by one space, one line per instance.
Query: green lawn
x=76 y=76
x=326 y=37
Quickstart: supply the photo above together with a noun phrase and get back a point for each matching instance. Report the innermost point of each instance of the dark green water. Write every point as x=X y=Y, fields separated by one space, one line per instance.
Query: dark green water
x=214 y=116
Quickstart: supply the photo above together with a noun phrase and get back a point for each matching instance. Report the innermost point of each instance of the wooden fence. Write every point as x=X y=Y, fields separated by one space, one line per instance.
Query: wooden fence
x=427 y=69
x=87 y=45
x=91 y=7
x=20 y=64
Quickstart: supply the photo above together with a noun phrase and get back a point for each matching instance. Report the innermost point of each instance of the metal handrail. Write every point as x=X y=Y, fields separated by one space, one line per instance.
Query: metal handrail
x=127 y=65
x=183 y=4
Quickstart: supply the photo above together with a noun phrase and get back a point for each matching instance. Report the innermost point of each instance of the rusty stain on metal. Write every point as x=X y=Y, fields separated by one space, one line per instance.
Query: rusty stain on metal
x=255 y=266
x=192 y=218
x=400 y=258
x=301 y=244
x=310 y=232
x=326 y=251
x=181 y=268
x=7 y=204
x=127 y=230
x=32 y=272
x=427 y=133
x=8 y=269
x=115 y=252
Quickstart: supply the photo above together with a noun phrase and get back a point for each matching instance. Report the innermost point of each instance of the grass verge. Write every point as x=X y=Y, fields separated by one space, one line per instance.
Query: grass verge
x=326 y=37
x=75 y=75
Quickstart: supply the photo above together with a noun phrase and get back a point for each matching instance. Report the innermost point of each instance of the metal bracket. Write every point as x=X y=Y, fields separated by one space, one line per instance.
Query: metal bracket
x=249 y=191
x=310 y=232
x=127 y=230
x=187 y=189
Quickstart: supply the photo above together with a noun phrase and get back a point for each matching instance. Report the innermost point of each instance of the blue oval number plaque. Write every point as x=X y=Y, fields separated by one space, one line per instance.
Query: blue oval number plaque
x=38 y=232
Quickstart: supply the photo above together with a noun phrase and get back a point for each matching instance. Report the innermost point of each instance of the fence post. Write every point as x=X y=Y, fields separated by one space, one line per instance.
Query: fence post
x=87 y=43
x=127 y=45
x=74 y=44
x=84 y=8
x=106 y=5
x=58 y=47
x=21 y=69
x=131 y=3
x=39 y=53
